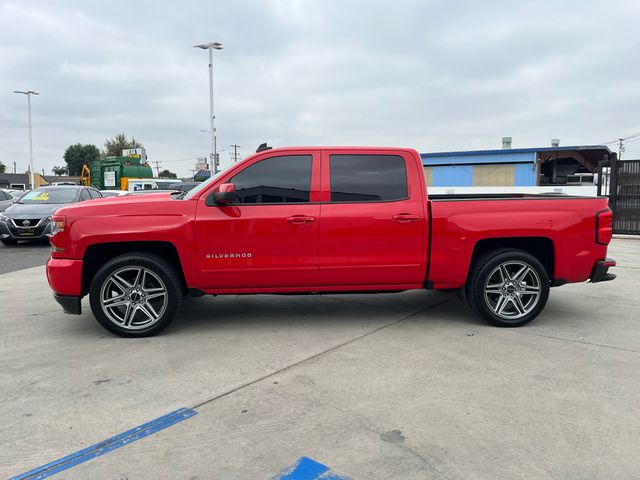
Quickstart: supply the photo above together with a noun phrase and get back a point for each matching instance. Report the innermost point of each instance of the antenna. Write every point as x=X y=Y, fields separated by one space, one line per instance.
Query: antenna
x=263 y=147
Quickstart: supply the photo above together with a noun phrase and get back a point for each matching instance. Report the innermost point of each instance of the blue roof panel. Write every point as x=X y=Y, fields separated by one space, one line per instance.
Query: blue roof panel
x=506 y=151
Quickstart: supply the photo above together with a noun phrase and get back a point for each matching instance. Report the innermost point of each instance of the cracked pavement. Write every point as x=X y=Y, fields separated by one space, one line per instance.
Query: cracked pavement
x=388 y=386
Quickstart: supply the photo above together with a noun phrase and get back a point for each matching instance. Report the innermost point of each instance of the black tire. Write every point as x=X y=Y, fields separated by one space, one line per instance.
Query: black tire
x=9 y=242
x=157 y=271
x=519 y=304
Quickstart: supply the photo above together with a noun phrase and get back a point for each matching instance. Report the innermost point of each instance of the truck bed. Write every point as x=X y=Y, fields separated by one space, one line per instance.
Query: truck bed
x=463 y=223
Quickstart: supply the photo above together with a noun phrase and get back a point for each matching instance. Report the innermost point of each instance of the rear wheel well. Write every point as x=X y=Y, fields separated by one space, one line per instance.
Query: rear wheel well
x=97 y=255
x=539 y=247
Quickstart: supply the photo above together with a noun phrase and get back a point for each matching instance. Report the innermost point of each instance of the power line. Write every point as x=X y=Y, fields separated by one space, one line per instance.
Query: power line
x=623 y=139
x=177 y=161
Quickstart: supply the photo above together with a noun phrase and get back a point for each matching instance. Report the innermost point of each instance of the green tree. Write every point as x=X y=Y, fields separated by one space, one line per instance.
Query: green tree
x=113 y=146
x=167 y=174
x=3 y=167
x=77 y=155
x=59 y=170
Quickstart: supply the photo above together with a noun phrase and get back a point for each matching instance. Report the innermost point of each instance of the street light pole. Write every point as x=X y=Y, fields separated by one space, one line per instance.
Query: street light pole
x=212 y=116
x=28 y=93
x=214 y=147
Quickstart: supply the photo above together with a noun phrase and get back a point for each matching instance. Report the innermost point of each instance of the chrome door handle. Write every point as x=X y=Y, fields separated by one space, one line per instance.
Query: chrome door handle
x=405 y=218
x=300 y=219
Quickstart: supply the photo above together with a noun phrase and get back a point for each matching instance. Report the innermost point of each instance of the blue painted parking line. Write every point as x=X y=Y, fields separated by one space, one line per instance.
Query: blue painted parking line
x=108 y=445
x=308 y=469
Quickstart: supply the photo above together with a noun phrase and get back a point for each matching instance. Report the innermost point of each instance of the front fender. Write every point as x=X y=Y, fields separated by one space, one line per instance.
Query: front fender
x=175 y=229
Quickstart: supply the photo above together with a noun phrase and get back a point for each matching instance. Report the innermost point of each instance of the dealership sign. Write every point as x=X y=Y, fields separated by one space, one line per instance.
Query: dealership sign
x=140 y=153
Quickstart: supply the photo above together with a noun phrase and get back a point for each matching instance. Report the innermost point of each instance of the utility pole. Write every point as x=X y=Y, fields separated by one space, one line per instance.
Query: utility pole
x=235 y=152
x=157 y=167
x=28 y=93
x=14 y=167
x=620 y=148
x=214 y=151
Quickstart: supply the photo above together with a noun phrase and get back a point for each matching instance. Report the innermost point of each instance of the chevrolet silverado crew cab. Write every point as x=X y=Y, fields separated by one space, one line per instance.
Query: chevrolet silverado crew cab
x=320 y=220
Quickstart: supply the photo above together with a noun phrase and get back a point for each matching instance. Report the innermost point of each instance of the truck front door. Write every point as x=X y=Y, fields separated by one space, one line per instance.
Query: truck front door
x=268 y=239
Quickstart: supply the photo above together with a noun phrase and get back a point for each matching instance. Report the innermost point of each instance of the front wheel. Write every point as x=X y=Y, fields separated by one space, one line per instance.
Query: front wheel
x=136 y=295
x=509 y=288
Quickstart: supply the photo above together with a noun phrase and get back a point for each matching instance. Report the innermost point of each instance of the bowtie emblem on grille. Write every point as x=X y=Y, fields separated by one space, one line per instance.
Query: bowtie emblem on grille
x=26 y=223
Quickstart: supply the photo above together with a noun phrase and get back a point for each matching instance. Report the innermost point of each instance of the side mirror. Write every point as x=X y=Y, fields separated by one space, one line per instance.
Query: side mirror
x=225 y=195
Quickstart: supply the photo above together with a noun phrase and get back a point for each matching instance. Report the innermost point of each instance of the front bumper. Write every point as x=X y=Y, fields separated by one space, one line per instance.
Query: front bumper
x=69 y=304
x=601 y=273
x=65 y=276
x=65 y=279
x=39 y=231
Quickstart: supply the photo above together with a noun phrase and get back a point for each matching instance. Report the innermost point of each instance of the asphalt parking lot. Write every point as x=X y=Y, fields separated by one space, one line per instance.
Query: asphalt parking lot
x=393 y=386
x=23 y=255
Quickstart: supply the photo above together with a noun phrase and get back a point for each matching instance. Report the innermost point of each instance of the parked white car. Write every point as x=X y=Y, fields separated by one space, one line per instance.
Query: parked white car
x=113 y=193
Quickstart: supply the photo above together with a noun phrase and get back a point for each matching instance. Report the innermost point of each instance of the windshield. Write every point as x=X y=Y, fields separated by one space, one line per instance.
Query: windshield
x=50 y=195
x=196 y=190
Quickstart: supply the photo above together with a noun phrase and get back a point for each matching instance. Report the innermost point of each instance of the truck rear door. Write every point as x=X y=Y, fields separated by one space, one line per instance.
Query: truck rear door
x=373 y=224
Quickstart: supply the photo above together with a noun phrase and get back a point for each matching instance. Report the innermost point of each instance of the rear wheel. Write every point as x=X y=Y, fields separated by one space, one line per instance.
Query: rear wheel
x=136 y=295
x=509 y=288
x=9 y=241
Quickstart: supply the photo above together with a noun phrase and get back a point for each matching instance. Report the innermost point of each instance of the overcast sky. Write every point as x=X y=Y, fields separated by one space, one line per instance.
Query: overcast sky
x=433 y=75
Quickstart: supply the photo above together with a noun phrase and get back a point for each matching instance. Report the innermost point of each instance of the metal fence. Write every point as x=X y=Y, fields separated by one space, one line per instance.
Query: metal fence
x=620 y=181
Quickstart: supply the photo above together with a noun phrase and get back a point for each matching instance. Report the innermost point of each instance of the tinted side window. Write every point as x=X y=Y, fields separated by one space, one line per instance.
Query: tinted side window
x=84 y=195
x=284 y=179
x=367 y=178
x=4 y=196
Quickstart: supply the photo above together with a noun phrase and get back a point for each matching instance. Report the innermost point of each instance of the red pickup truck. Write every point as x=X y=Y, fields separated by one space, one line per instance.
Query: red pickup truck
x=320 y=220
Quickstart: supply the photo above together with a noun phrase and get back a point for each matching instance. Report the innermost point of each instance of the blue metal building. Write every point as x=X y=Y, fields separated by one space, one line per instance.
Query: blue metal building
x=513 y=167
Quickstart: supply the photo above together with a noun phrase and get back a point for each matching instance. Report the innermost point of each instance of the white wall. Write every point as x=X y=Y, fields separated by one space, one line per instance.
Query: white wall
x=584 y=190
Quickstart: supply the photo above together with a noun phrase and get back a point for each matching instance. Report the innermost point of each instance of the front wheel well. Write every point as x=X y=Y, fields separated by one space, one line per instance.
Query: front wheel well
x=539 y=247
x=97 y=255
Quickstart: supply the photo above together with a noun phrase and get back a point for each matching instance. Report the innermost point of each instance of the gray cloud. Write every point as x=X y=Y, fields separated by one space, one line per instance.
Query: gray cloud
x=433 y=75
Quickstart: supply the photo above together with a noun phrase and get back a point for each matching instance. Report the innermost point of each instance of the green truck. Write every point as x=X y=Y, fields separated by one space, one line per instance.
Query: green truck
x=114 y=172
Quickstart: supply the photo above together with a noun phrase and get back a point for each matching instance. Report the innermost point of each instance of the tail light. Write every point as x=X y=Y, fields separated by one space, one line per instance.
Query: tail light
x=604 y=226
x=57 y=238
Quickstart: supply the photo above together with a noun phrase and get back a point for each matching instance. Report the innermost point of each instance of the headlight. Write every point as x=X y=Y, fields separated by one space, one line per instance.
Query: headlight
x=57 y=241
x=57 y=226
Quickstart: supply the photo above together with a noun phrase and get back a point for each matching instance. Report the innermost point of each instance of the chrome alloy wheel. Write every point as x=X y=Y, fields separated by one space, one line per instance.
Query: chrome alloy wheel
x=512 y=290
x=133 y=297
